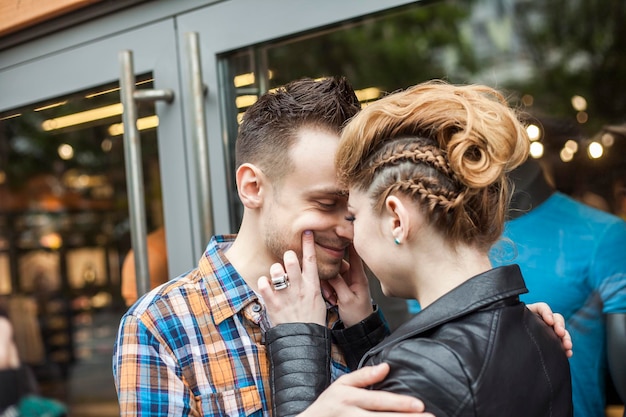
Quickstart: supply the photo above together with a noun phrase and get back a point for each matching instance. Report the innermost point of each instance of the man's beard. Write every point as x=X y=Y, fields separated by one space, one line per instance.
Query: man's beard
x=277 y=244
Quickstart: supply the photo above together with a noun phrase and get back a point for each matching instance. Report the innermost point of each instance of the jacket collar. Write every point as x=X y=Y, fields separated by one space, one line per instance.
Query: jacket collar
x=474 y=294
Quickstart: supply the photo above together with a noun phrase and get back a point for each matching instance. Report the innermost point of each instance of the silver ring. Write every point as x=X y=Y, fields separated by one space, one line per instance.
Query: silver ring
x=280 y=283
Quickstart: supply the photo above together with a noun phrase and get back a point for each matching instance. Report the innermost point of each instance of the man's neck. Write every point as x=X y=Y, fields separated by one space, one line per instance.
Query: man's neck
x=245 y=256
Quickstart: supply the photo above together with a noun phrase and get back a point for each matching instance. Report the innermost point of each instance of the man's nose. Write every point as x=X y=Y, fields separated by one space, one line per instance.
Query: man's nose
x=345 y=228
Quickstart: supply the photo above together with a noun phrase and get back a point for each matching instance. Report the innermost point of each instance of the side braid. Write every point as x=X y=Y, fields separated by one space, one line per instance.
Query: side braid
x=446 y=199
x=415 y=153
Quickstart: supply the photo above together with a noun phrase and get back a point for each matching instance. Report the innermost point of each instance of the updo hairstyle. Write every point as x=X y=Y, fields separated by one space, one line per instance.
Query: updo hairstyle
x=447 y=146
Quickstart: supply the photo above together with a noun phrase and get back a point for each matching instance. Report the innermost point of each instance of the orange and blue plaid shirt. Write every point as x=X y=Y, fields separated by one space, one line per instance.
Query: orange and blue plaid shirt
x=193 y=346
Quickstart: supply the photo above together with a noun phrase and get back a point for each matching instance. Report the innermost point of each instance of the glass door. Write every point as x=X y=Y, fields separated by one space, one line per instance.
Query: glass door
x=64 y=207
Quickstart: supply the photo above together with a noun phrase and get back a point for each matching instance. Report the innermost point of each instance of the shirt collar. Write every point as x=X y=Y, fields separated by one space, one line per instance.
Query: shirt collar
x=228 y=291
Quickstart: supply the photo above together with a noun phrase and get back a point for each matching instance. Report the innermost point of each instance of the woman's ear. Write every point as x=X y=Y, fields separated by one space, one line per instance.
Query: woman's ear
x=250 y=184
x=398 y=219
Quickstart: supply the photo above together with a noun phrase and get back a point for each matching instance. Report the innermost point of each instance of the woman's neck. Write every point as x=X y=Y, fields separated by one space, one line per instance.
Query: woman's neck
x=445 y=268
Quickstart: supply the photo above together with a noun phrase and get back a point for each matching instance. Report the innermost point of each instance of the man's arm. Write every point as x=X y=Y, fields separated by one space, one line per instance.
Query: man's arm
x=557 y=322
x=299 y=355
x=347 y=396
x=616 y=346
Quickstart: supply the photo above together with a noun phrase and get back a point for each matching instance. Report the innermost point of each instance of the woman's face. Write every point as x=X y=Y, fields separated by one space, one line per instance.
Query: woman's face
x=374 y=241
x=371 y=239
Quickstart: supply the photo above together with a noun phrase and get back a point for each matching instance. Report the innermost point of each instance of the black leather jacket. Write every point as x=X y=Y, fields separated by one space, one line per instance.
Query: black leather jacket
x=476 y=351
x=299 y=355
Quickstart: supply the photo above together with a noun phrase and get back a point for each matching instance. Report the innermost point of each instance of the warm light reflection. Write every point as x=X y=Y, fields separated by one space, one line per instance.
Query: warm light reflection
x=595 y=150
x=572 y=146
x=367 y=94
x=245 y=101
x=65 y=151
x=106 y=145
x=11 y=116
x=608 y=140
x=3 y=177
x=527 y=100
x=244 y=79
x=534 y=133
x=82 y=117
x=142 y=124
x=579 y=103
x=51 y=106
x=51 y=241
x=111 y=90
x=536 y=150
x=582 y=117
x=566 y=154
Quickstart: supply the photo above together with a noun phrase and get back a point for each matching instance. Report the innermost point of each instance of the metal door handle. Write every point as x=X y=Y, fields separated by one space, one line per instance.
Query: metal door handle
x=133 y=163
x=200 y=138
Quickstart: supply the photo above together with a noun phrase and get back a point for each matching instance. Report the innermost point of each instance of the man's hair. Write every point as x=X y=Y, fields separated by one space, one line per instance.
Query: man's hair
x=270 y=126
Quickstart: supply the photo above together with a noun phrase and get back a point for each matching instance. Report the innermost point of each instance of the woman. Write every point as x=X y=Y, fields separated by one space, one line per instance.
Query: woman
x=426 y=172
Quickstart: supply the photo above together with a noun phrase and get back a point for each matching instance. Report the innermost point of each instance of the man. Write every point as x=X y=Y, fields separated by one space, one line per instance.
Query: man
x=194 y=346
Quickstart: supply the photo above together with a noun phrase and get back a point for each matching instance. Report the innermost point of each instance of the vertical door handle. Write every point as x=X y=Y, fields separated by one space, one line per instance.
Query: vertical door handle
x=199 y=132
x=133 y=163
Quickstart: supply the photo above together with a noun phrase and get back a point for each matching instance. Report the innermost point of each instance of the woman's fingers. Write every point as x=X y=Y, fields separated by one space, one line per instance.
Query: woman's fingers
x=309 y=260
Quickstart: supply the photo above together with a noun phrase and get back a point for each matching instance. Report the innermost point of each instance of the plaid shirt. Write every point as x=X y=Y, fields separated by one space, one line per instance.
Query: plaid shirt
x=193 y=346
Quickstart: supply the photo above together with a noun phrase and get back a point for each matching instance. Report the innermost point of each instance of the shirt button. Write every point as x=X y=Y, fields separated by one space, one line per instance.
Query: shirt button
x=256 y=307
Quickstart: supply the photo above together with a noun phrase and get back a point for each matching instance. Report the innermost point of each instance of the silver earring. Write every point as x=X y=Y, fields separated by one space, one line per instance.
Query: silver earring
x=396 y=241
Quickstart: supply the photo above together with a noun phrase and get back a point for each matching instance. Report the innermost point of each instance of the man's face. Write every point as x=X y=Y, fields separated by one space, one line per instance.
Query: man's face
x=309 y=198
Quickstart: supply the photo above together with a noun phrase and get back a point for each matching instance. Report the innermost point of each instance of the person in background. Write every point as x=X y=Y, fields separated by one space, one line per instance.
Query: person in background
x=426 y=173
x=573 y=257
x=157 y=266
x=15 y=380
x=19 y=394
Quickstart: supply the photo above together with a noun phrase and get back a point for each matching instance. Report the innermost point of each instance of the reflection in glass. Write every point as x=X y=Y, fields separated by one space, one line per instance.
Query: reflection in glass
x=565 y=70
x=64 y=227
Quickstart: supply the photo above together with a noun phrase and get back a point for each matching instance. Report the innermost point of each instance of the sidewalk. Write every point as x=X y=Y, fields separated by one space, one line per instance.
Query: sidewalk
x=90 y=387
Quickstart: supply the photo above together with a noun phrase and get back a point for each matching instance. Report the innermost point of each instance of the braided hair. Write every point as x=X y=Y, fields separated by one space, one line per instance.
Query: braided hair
x=447 y=147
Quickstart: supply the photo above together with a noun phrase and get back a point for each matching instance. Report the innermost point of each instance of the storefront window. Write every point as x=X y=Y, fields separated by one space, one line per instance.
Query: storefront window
x=64 y=230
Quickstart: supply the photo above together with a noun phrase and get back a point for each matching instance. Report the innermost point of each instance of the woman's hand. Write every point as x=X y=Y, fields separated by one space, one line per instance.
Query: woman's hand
x=557 y=322
x=301 y=301
x=350 y=291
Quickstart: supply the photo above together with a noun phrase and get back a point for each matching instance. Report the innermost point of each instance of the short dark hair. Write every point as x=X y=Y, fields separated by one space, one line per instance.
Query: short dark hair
x=270 y=125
